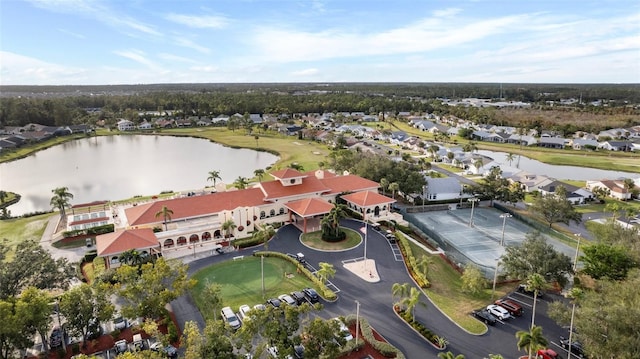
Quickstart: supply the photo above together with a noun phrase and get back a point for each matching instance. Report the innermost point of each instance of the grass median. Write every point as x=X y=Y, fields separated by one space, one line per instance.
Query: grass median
x=17 y=230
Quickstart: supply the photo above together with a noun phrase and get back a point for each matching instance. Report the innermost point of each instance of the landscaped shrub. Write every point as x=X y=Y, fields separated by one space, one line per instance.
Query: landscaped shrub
x=424 y=331
x=383 y=348
x=405 y=248
x=99 y=266
x=247 y=242
x=172 y=330
x=107 y=228
x=90 y=255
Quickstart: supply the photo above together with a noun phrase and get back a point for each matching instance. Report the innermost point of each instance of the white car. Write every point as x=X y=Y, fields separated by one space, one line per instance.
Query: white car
x=344 y=331
x=120 y=323
x=243 y=312
x=260 y=307
x=286 y=298
x=498 y=311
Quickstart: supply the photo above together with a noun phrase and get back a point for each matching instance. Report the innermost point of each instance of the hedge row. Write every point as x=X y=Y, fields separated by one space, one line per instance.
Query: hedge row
x=405 y=248
x=247 y=242
x=326 y=293
x=107 y=228
x=424 y=331
x=381 y=347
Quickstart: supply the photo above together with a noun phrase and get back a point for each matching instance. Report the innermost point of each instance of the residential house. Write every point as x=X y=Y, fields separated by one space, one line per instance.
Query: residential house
x=525 y=140
x=552 y=142
x=145 y=125
x=126 y=125
x=616 y=188
x=440 y=189
x=581 y=144
x=529 y=182
x=572 y=195
x=616 y=145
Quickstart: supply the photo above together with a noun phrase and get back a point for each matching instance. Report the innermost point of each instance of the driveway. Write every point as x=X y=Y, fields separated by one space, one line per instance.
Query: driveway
x=376 y=301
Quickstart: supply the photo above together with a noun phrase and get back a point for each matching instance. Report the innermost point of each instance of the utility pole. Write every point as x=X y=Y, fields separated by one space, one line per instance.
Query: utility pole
x=473 y=202
x=357 y=321
x=504 y=222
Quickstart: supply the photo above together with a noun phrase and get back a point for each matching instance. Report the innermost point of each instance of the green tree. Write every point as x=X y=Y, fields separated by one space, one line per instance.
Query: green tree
x=60 y=200
x=31 y=266
x=449 y=355
x=473 y=281
x=384 y=184
x=393 y=187
x=214 y=176
x=494 y=186
x=241 y=182
x=320 y=339
x=510 y=157
x=326 y=271
x=603 y=260
x=535 y=255
x=166 y=214
x=601 y=193
x=296 y=166
x=212 y=294
x=331 y=221
x=400 y=290
x=15 y=332
x=259 y=173
x=228 y=227
x=38 y=310
x=192 y=341
x=535 y=283
x=531 y=341
x=412 y=300
x=257 y=138
x=147 y=290
x=422 y=265
x=3 y=196
x=81 y=306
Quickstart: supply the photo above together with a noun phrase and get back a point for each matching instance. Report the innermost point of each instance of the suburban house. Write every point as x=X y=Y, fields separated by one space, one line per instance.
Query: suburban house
x=573 y=193
x=552 y=142
x=126 y=125
x=440 y=189
x=530 y=182
x=581 y=144
x=616 y=145
x=196 y=224
x=616 y=188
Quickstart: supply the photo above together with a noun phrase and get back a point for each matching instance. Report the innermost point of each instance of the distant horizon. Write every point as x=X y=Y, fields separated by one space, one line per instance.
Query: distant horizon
x=145 y=42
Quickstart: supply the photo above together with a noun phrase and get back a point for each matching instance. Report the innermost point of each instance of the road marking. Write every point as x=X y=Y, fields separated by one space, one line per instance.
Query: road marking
x=520 y=301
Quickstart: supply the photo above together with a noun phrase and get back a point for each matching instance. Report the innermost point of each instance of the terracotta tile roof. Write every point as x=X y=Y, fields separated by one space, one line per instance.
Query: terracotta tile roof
x=615 y=186
x=118 y=242
x=367 y=199
x=195 y=206
x=287 y=173
x=349 y=183
x=309 y=186
x=310 y=207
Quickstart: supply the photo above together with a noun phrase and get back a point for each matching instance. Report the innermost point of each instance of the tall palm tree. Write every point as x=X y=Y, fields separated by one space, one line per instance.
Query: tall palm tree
x=257 y=138
x=259 y=173
x=228 y=226
x=631 y=212
x=576 y=294
x=535 y=283
x=412 y=300
x=214 y=176
x=326 y=271
x=331 y=220
x=422 y=265
x=531 y=340
x=166 y=214
x=510 y=157
x=241 y=182
x=400 y=290
x=477 y=163
x=60 y=200
x=449 y=355
x=393 y=187
x=384 y=183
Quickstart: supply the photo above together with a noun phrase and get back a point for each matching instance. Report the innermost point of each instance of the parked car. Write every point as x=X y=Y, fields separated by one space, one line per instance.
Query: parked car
x=230 y=317
x=576 y=347
x=522 y=288
x=547 y=354
x=286 y=298
x=56 y=337
x=243 y=312
x=275 y=302
x=121 y=346
x=298 y=297
x=485 y=316
x=298 y=351
x=169 y=350
x=298 y=256
x=120 y=323
x=138 y=343
x=311 y=295
x=512 y=307
x=498 y=312
x=391 y=237
x=219 y=250
x=344 y=331
x=259 y=306
x=94 y=330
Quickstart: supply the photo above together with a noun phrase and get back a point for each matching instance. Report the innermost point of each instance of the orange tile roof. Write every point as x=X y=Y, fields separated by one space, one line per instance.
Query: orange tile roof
x=118 y=242
x=309 y=186
x=367 y=199
x=349 y=183
x=195 y=206
x=287 y=173
x=310 y=207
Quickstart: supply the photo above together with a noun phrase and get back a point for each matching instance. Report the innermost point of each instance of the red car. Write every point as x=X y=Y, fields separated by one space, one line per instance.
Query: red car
x=512 y=307
x=547 y=354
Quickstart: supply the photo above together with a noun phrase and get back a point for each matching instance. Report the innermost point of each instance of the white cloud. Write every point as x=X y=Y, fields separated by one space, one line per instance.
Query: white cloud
x=74 y=34
x=199 y=21
x=209 y=68
x=139 y=57
x=305 y=72
x=15 y=68
x=184 y=42
x=449 y=12
x=176 y=58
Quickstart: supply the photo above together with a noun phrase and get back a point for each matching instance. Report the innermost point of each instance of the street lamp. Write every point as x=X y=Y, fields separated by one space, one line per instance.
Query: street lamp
x=495 y=279
x=504 y=222
x=357 y=321
x=473 y=202
x=575 y=259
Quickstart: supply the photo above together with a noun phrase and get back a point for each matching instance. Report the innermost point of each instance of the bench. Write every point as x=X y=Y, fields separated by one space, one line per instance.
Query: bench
x=237 y=258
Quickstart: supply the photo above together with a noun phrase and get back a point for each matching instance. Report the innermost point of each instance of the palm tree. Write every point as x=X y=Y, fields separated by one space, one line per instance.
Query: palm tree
x=259 y=173
x=400 y=290
x=535 y=283
x=331 y=221
x=228 y=226
x=256 y=137
x=531 y=340
x=393 y=187
x=60 y=200
x=510 y=157
x=384 y=183
x=131 y=257
x=166 y=214
x=241 y=182
x=3 y=196
x=213 y=176
x=326 y=271
x=422 y=265
x=449 y=355
x=412 y=300
x=477 y=163
x=631 y=212
x=433 y=149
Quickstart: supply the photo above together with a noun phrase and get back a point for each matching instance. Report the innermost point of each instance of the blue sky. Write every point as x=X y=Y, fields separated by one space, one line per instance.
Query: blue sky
x=60 y=42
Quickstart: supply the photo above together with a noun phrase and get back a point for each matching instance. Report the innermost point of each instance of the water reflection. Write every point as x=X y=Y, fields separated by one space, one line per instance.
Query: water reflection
x=117 y=167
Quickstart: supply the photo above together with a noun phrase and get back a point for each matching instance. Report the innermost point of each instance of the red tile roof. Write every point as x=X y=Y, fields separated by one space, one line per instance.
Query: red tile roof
x=118 y=242
x=195 y=206
x=310 y=207
x=367 y=199
x=349 y=183
x=309 y=186
x=287 y=173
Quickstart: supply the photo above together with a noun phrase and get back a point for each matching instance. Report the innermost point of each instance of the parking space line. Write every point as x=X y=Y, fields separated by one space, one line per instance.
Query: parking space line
x=520 y=301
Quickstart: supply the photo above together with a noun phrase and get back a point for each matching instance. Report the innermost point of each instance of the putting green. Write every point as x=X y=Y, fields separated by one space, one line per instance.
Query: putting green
x=241 y=282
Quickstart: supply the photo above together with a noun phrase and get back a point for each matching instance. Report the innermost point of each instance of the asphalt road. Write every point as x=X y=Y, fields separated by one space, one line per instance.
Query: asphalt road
x=376 y=301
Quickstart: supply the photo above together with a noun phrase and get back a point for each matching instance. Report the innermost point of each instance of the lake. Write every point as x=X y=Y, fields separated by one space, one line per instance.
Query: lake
x=123 y=166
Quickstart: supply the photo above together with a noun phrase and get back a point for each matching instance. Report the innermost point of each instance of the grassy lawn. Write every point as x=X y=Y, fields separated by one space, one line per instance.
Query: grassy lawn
x=25 y=151
x=314 y=240
x=21 y=229
x=446 y=293
x=447 y=167
x=241 y=282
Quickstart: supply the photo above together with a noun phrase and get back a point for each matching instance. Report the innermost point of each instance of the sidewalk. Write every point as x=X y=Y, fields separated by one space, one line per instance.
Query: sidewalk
x=71 y=254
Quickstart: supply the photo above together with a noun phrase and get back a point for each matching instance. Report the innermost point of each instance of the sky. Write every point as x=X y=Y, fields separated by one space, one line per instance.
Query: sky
x=102 y=42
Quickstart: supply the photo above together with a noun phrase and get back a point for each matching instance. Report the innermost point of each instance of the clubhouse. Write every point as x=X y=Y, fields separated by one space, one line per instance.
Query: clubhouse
x=196 y=224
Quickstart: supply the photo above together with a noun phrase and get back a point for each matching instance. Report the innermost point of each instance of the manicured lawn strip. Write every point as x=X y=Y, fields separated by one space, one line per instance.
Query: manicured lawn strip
x=314 y=240
x=241 y=282
x=446 y=293
x=22 y=229
x=450 y=168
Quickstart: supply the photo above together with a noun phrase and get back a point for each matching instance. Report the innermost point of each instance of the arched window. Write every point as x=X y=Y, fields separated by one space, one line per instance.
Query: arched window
x=168 y=243
x=241 y=228
x=194 y=238
x=281 y=210
x=115 y=260
x=272 y=212
x=182 y=240
x=206 y=236
x=217 y=234
x=262 y=214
